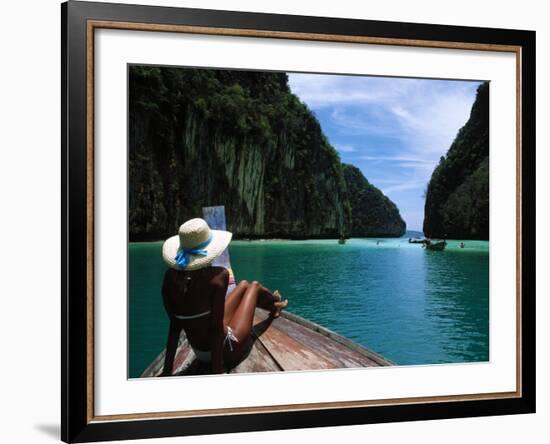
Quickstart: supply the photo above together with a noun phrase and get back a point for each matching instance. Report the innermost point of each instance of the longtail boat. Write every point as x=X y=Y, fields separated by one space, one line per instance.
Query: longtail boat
x=417 y=241
x=436 y=246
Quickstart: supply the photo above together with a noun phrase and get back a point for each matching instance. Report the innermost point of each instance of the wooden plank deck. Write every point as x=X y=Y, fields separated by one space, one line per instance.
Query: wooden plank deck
x=288 y=343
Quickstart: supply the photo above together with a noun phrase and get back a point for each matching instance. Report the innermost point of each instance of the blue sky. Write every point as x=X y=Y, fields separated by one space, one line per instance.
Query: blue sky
x=393 y=129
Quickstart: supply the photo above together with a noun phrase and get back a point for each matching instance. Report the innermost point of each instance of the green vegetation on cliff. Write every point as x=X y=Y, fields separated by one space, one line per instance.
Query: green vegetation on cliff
x=372 y=213
x=200 y=137
x=457 y=198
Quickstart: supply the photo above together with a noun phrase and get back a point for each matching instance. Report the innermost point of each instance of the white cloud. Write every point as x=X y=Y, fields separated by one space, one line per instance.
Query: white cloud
x=323 y=90
x=385 y=181
x=398 y=159
x=328 y=90
x=414 y=120
x=403 y=186
x=425 y=113
x=345 y=148
x=375 y=122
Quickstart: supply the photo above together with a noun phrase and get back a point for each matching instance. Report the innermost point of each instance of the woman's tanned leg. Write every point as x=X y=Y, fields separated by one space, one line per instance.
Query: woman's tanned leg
x=265 y=297
x=241 y=322
x=255 y=296
x=233 y=300
x=243 y=318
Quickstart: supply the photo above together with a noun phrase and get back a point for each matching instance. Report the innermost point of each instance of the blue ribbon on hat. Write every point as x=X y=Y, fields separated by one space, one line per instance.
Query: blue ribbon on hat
x=182 y=257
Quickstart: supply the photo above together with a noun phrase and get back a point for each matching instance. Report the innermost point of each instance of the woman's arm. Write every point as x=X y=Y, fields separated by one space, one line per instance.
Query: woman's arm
x=217 y=330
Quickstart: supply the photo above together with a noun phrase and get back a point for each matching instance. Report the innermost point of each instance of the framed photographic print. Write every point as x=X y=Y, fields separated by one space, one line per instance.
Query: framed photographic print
x=275 y=221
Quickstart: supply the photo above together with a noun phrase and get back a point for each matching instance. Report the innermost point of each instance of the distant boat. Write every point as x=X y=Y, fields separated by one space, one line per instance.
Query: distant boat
x=417 y=241
x=436 y=246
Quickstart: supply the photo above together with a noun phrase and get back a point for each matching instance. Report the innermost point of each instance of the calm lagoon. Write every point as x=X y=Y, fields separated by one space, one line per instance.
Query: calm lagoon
x=411 y=305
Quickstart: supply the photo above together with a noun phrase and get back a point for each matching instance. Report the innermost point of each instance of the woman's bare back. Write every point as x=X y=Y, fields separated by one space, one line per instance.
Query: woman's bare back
x=188 y=293
x=201 y=295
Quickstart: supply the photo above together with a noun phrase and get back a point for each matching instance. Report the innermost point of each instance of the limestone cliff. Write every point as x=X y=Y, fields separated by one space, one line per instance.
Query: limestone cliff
x=457 y=198
x=372 y=213
x=201 y=137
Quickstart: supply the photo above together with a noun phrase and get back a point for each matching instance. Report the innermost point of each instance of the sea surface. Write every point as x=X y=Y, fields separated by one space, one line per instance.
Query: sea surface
x=411 y=305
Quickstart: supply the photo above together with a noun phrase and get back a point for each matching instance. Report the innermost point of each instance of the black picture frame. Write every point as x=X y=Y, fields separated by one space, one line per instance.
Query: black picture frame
x=77 y=424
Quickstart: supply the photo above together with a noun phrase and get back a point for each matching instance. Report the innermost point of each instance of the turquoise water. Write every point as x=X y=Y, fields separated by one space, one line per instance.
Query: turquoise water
x=411 y=305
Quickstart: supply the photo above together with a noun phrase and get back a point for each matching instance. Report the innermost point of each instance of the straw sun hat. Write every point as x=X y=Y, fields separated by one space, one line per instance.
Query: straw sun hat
x=195 y=246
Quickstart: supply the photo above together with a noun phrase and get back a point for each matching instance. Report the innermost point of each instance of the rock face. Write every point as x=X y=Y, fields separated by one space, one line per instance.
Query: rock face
x=457 y=199
x=372 y=213
x=200 y=137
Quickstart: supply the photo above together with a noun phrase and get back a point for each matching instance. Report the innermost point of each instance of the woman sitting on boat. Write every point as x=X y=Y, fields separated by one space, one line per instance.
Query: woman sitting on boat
x=204 y=301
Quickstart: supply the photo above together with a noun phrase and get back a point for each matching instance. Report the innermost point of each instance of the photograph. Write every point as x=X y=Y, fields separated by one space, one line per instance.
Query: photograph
x=304 y=221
